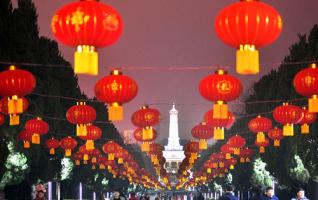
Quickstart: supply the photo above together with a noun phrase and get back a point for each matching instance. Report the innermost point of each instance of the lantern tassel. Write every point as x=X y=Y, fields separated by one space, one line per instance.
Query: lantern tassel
x=120 y=161
x=102 y=166
x=247 y=60
x=86 y=60
x=237 y=151
x=147 y=133
x=231 y=167
x=248 y=160
x=85 y=157
x=111 y=156
x=145 y=147
x=36 y=138
x=14 y=119
x=260 y=137
x=81 y=130
x=203 y=145
x=15 y=105
x=218 y=133
x=26 y=144
x=276 y=143
x=90 y=145
x=242 y=160
x=94 y=160
x=115 y=112
x=68 y=152
x=304 y=129
x=209 y=170
x=52 y=151
x=313 y=104
x=228 y=156
x=262 y=150
x=77 y=162
x=220 y=110
x=288 y=130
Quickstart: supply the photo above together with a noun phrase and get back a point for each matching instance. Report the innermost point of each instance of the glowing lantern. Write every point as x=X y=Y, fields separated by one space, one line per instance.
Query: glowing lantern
x=248 y=25
x=260 y=125
x=262 y=145
x=26 y=137
x=220 y=88
x=219 y=124
x=288 y=115
x=276 y=134
x=85 y=153
x=246 y=155
x=146 y=118
x=77 y=157
x=37 y=127
x=231 y=163
x=227 y=151
x=95 y=153
x=145 y=146
x=81 y=115
x=306 y=84
x=68 y=144
x=52 y=144
x=237 y=143
x=14 y=84
x=203 y=132
x=308 y=118
x=93 y=133
x=111 y=148
x=87 y=25
x=115 y=90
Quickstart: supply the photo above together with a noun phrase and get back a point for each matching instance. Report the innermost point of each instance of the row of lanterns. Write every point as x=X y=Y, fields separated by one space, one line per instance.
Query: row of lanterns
x=88 y=25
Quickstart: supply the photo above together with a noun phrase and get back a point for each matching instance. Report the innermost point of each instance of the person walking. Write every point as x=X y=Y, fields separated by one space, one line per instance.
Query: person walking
x=257 y=194
x=116 y=196
x=133 y=196
x=300 y=195
x=270 y=194
x=229 y=193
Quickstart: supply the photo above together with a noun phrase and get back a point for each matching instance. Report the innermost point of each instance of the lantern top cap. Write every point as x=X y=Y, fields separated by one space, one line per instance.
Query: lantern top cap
x=220 y=72
x=116 y=72
x=313 y=66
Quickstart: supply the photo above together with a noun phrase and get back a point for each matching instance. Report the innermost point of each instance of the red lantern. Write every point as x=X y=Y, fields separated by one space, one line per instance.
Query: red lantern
x=111 y=148
x=68 y=144
x=145 y=146
x=146 y=118
x=85 y=152
x=87 y=25
x=203 y=132
x=227 y=150
x=288 y=115
x=81 y=115
x=231 y=163
x=260 y=125
x=276 y=134
x=14 y=84
x=262 y=145
x=246 y=155
x=237 y=143
x=37 y=127
x=93 y=133
x=52 y=144
x=219 y=124
x=77 y=157
x=26 y=137
x=306 y=84
x=116 y=90
x=95 y=153
x=220 y=88
x=248 y=25
x=308 y=118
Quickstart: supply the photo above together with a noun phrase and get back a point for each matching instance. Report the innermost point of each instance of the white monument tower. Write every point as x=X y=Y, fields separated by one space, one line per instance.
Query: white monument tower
x=173 y=153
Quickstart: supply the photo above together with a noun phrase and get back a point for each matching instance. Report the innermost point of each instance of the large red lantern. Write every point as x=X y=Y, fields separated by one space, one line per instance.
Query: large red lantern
x=260 y=125
x=219 y=124
x=26 y=137
x=262 y=145
x=227 y=150
x=220 y=88
x=111 y=148
x=115 y=90
x=87 y=25
x=276 y=134
x=14 y=84
x=246 y=155
x=81 y=115
x=203 y=132
x=93 y=133
x=288 y=115
x=68 y=144
x=146 y=118
x=306 y=84
x=52 y=144
x=236 y=142
x=37 y=127
x=308 y=118
x=248 y=25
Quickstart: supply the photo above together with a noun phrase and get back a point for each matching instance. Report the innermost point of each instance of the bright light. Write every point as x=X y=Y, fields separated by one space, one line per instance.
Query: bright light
x=67 y=168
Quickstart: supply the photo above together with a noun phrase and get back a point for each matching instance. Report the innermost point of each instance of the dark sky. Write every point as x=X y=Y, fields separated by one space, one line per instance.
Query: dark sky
x=178 y=33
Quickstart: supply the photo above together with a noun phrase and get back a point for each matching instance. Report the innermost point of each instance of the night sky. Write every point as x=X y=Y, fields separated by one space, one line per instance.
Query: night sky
x=178 y=33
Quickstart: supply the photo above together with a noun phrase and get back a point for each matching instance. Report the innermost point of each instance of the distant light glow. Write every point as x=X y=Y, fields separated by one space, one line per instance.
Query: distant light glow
x=67 y=168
